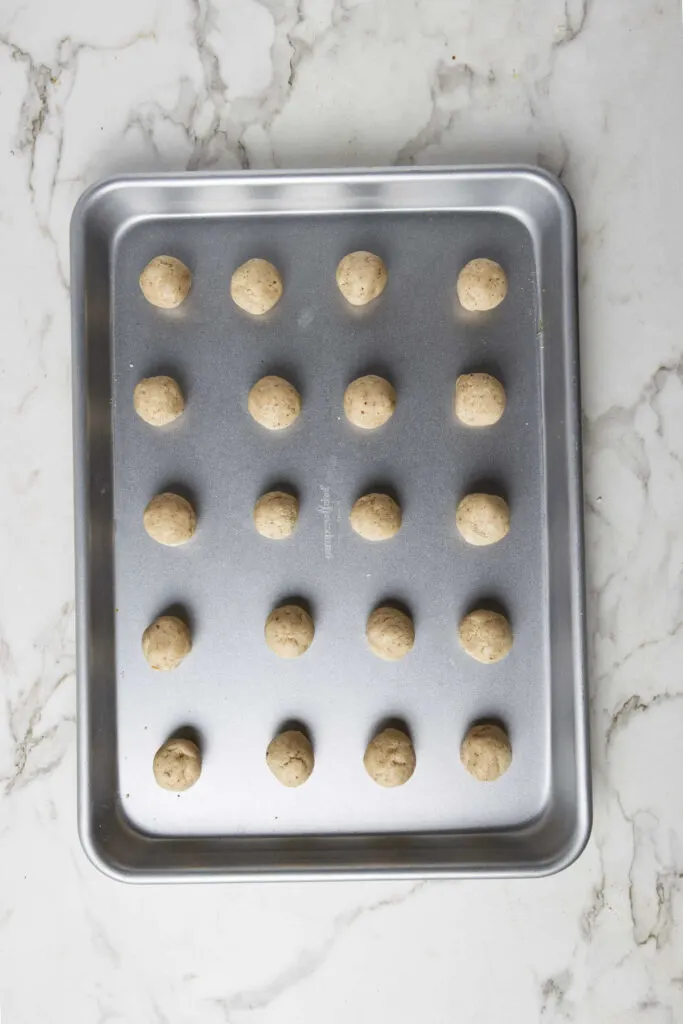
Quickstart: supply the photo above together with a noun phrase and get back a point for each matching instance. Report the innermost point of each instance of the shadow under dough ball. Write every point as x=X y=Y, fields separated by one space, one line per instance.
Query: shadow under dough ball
x=361 y=277
x=390 y=758
x=166 y=642
x=390 y=633
x=177 y=764
x=170 y=519
x=486 y=752
x=482 y=285
x=289 y=631
x=369 y=402
x=290 y=758
x=165 y=282
x=375 y=517
x=274 y=403
x=276 y=514
x=479 y=399
x=486 y=636
x=482 y=519
x=158 y=400
x=256 y=287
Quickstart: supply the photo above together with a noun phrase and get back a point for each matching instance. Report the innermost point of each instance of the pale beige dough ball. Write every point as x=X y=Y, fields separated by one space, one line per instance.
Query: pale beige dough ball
x=170 y=519
x=158 y=400
x=482 y=285
x=165 y=282
x=177 y=764
x=479 y=399
x=275 y=515
x=390 y=633
x=486 y=636
x=256 y=287
x=361 y=277
x=274 y=403
x=369 y=402
x=375 y=517
x=486 y=752
x=482 y=519
x=166 y=642
x=390 y=758
x=289 y=631
x=290 y=758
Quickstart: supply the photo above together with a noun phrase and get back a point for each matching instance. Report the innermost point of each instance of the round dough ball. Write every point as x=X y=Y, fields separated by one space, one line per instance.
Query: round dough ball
x=158 y=400
x=390 y=633
x=482 y=519
x=479 y=399
x=166 y=642
x=177 y=764
x=170 y=519
x=486 y=636
x=482 y=285
x=486 y=752
x=369 y=402
x=375 y=517
x=289 y=631
x=165 y=282
x=290 y=758
x=390 y=758
x=274 y=403
x=275 y=515
x=256 y=287
x=361 y=277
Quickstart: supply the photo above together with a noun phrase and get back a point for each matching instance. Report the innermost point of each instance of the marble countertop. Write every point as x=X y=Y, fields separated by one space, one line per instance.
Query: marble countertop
x=591 y=89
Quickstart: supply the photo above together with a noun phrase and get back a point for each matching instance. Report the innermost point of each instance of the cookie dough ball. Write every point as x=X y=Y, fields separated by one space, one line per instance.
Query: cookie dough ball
x=486 y=636
x=274 y=403
x=165 y=282
x=486 y=752
x=479 y=399
x=482 y=519
x=361 y=277
x=482 y=285
x=256 y=287
x=390 y=633
x=390 y=758
x=290 y=758
x=177 y=764
x=289 y=631
x=170 y=519
x=158 y=400
x=369 y=402
x=275 y=515
x=375 y=517
x=166 y=642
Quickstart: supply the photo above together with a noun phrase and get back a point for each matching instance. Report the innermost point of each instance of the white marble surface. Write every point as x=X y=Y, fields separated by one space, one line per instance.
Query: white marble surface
x=590 y=88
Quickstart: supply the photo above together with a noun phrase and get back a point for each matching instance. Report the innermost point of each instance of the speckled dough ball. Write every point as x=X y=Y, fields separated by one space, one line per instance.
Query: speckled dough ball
x=290 y=758
x=486 y=752
x=165 y=282
x=289 y=631
x=390 y=633
x=479 y=399
x=369 y=402
x=390 y=758
x=256 y=287
x=486 y=636
x=482 y=519
x=361 y=277
x=177 y=765
x=170 y=519
x=166 y=642
x=375 y=517
x=158 y=400
x=274 y=403
x=482 y=285
x=275 y=515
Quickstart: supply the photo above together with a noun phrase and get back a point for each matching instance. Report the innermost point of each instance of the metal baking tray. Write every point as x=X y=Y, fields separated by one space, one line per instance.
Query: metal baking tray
x=237 y=821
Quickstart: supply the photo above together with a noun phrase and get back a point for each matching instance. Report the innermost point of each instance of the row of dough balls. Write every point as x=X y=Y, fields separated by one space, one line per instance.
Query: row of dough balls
x=484 y=634
x=389 y=758
x=256 y=286
x=369 y=401
x=481 y=519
